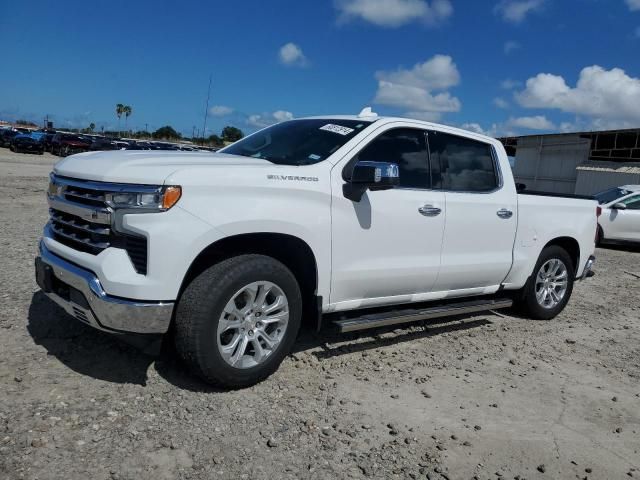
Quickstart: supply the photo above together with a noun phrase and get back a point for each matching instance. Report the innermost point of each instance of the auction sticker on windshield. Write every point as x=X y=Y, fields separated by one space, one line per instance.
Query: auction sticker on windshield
x=330 y=127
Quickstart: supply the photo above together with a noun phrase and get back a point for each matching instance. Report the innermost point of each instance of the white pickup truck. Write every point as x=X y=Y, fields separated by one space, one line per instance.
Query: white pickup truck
x=331 y=219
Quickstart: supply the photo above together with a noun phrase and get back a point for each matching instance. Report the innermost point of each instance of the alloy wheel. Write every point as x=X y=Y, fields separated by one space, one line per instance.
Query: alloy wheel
x=252 y=324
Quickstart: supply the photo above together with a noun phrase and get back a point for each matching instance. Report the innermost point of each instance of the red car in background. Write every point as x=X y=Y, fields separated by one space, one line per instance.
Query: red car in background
x=64 y=144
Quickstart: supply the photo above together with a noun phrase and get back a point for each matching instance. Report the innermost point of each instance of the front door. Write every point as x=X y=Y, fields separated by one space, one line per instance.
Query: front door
x=386 y=248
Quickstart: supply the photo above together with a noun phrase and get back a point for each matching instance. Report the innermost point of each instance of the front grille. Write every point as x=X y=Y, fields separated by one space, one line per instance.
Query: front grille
x=80 y=315
x=81 y=219
x=79 y=234
x=136 y=247
x=84 y=196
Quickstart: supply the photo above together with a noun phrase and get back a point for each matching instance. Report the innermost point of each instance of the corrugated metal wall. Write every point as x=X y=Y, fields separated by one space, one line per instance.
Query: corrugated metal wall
x=548 y=163
x=593 y=180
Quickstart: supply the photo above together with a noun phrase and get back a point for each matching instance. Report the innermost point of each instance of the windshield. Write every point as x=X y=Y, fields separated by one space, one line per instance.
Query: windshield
x=609 y=196
x=298 y=142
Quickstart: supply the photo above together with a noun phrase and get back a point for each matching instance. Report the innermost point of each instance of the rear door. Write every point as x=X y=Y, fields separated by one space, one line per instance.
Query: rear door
x=477 y=248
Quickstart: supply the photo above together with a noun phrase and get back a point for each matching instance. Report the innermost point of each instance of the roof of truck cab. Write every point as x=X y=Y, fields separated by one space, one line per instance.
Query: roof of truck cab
x=372 y=119
x=631 y=188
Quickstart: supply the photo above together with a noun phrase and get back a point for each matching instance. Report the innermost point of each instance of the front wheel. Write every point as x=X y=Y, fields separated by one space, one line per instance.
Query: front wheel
x=549 y=288
x=237 y=320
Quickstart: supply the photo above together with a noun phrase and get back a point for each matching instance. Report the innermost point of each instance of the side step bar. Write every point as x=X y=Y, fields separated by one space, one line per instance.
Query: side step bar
x=383 y=319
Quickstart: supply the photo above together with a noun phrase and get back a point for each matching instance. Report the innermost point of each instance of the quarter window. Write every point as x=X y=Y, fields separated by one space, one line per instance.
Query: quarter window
x=407 y=147
x=460 y=164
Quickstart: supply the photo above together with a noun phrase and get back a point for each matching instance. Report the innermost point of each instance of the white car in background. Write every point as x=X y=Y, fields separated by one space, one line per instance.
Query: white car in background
x=620 y=218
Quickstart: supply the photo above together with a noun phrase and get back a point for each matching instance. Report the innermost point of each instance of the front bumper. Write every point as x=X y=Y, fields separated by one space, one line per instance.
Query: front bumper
x=80 y=293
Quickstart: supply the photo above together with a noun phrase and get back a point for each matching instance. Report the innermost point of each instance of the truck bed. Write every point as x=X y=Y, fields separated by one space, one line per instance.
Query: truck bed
x=557 y=195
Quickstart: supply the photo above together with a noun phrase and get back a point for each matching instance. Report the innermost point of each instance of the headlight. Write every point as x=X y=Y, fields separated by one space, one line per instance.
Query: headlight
x=162 y=199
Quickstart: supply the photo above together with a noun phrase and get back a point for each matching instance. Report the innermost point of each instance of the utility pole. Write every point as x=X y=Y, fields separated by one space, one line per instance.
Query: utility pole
x=206 y=110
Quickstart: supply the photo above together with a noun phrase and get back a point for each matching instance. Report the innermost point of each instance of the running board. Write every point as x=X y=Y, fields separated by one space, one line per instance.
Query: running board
x=374 y=320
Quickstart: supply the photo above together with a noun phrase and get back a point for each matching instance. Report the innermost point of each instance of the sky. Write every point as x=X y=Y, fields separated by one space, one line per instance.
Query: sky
x=500 y=67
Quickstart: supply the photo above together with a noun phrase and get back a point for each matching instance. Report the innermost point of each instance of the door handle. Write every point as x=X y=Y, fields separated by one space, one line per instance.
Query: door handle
x=429 y=211
x=504 y=213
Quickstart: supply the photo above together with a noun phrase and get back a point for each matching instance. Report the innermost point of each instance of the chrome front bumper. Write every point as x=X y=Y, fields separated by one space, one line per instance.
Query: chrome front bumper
x=80 y=293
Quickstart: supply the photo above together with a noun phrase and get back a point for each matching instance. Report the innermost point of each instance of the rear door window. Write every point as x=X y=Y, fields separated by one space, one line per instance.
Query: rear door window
x=462 y=165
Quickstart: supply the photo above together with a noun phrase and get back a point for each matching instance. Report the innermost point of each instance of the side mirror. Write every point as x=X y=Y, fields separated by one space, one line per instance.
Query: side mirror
x=619 y=206
x=520 y=187
x=371 y=176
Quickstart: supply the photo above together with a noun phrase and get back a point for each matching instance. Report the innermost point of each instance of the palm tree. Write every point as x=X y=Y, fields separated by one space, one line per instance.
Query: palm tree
x=119 y=112
x=127 y=111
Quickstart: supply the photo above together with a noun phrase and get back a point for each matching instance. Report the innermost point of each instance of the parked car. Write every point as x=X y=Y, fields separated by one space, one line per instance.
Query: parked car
x=341 y=219
x=47 y=139
x=102 y=143
x=64 y=144
x=7 y=135
x=27 y=144
x=619 y=221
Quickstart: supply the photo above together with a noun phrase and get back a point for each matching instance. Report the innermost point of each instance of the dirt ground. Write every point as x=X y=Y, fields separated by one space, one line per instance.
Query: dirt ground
x=488 y=396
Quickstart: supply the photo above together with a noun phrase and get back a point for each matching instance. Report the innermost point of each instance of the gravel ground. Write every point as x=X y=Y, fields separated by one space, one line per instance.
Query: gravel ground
x=486 y=397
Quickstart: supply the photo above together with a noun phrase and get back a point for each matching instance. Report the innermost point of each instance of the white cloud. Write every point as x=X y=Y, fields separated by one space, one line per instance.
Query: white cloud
x=510 y=46
x=437 y=73
x=394 y=13
x=495 y=130
x=426 y=116
x=539 y=122
x=633 y=4
x=509 y=84
x=601 y=94
x=422 y=88
x=265 y=119
x=515 y=11
x=292 y=55
x=474 y=127
x=566 y=127
x=220 y=110
x=500 y=102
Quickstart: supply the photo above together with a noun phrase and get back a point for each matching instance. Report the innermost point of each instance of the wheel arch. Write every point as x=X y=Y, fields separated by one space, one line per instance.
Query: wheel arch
x=292 y=251
x=570 y=245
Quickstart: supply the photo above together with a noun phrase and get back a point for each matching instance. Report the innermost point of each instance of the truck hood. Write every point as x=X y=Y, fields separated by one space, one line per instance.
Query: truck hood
x=143 y=167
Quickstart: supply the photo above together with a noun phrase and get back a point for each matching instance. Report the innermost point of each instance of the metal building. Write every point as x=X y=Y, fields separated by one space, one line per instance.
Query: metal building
x=583 y=163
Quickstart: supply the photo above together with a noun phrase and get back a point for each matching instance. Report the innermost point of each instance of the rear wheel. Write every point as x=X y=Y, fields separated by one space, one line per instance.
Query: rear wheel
x=237 y=320
x=549 y=288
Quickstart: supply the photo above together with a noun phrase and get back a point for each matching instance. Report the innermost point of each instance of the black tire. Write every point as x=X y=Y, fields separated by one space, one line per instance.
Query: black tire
x=528 y=303
x=201 y=305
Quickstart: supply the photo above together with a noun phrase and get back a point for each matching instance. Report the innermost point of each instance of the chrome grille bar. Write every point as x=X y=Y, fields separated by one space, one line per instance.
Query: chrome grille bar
x=95 y=197
x=72 y=222
x=75 y=238
x=85 y=212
